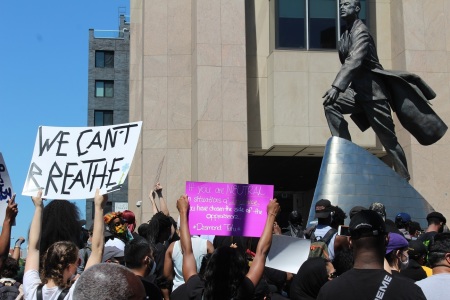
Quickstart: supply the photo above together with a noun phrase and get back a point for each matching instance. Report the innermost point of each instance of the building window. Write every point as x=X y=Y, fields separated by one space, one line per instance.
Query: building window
x=104 y=88
x=103 y=117
x=104 y=59
x=310 y=24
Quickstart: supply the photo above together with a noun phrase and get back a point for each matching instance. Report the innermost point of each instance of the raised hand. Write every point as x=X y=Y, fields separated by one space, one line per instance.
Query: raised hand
x=183 y=204
x=37 y=200
x=11 y=209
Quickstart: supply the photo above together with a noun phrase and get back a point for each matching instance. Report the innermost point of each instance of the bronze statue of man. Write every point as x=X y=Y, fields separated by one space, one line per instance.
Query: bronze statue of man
x=365 y=90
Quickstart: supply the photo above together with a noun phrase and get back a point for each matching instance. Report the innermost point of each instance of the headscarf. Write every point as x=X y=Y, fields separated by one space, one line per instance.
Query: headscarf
x=311 y=276
x=129 y=217
x=119 y=231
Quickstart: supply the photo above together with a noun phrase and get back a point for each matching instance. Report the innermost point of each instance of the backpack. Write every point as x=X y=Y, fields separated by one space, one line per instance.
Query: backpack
x=9 y=290
x=61 y=296
x=319 y=245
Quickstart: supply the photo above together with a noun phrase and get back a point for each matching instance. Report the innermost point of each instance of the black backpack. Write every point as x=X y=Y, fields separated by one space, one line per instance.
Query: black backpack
x=9 y=290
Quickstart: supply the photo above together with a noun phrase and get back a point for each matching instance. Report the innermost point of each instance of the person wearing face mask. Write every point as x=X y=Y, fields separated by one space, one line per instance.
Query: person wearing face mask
x=368 y=278
x=119 y=230
x=130 y=221
x=436 y=286
x=397 y=253
x=139 y=259
x=436 y=222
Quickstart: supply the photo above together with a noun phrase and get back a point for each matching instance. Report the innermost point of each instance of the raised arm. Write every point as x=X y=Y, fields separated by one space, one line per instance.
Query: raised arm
x=162 y=201
x=168 y=263
x=34 y=238
x=17 y=245
x=262 y=249
x=97 y=233
x=5 y=237
x=189 y=265
x=151 y=196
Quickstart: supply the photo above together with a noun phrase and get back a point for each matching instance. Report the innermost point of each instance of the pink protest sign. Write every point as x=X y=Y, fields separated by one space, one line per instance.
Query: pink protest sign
x=228 y=208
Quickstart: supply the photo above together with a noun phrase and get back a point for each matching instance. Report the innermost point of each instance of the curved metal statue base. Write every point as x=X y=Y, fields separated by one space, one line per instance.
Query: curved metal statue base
x=351 y=176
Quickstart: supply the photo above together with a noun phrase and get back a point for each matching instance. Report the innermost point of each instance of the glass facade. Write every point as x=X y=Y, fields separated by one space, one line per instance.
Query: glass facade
x=310 y=24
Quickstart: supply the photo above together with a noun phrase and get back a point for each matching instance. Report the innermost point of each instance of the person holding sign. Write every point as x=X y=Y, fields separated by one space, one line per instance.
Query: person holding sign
x=61 y=260
x=226 y=275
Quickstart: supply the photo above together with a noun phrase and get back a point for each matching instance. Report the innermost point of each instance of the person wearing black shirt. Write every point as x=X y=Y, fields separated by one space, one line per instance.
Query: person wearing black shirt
x=225 y=275
x=368 y=279
x=139 y=259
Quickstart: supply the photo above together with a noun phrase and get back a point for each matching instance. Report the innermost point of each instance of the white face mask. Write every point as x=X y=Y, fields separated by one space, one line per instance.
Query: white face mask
x=404 y=264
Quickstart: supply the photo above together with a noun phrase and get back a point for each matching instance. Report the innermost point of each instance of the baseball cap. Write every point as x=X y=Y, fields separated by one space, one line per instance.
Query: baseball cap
x=403 y=217
x=355 y=210
x=396 y=241
x=379 y=208
x=437 y=215
x=111 y=252
x=323 y=208
x=366 y=223
x=416 y=249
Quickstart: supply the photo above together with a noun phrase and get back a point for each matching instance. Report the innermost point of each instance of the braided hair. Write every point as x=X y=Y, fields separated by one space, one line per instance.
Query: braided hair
x=55 y=260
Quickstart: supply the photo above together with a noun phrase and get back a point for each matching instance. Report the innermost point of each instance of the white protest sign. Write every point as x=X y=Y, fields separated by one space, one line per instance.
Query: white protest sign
x=287 y=253
x=6 y=189
x=72 y=162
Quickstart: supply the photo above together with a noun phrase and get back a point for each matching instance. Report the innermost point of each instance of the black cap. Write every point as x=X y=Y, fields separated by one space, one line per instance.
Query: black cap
x=355 y=210
x=416 y=249
x=323 y=208
x=437 y=215
x=367 y=223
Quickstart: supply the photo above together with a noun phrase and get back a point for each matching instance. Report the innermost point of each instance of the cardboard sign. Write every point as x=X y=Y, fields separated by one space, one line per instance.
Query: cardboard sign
x=5 y=183
x=6 y=189
x=72 y=162
x=287 y=253
x=227 y=208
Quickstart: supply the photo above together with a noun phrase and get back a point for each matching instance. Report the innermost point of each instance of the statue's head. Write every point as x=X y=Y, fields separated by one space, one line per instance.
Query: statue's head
x=349 y=8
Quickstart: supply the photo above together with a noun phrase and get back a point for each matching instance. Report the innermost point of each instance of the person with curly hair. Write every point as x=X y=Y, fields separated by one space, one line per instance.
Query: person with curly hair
x=227 y=275
x=60 y=261
x=62 y=223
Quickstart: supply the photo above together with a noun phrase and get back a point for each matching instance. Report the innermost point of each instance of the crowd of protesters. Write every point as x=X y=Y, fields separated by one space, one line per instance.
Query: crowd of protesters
x=376 y=258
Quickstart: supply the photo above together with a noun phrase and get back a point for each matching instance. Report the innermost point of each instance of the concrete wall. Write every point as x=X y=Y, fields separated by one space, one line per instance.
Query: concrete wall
x=188 y=86
x=421 y=44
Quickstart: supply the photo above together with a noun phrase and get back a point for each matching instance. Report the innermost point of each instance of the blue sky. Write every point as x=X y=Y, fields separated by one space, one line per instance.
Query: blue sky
x=44 y=77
